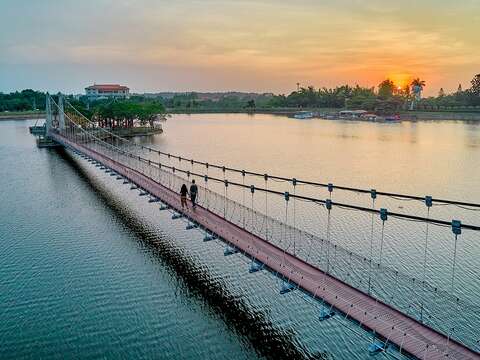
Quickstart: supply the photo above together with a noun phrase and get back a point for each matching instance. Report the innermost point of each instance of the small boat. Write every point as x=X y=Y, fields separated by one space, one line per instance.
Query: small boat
x=388 y=119
x=369 y=117
x=393 y=118
x=303 y=115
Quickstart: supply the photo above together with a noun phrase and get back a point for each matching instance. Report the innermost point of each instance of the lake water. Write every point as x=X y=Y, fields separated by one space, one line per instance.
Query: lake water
x=91 y=270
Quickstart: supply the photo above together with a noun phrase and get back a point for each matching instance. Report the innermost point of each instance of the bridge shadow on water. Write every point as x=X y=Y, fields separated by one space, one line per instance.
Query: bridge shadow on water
x=195 y=282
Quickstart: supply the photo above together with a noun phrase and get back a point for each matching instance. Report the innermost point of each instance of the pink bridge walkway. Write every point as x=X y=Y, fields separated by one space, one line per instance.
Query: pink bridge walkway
x=393 y=326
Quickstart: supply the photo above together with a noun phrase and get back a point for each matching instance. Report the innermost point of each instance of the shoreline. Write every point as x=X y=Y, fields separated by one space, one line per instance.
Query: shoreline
x=21 y=116
x=404 y=116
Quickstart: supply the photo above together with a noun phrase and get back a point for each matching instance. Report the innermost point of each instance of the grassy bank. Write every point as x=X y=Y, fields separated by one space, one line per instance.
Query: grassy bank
x=138 y=131
x=442 y=115
x=278 y=111
x=467 y=115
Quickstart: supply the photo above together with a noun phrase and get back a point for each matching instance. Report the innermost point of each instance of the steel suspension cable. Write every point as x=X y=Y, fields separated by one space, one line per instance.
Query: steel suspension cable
x=329 y=208
x=285 y=225
x=243 y=199
x=355 y=207
x=225 y=200
x=252 y=190
x=294 y=223
x=371 y=247
x=424 y=275
x=266 y=208
x=329 y=185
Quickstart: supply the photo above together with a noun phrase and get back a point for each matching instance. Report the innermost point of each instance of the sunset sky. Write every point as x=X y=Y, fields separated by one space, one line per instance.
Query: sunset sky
x=245 y=45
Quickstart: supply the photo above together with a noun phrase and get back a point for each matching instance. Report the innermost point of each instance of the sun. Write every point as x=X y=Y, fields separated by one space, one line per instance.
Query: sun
x=401 y=80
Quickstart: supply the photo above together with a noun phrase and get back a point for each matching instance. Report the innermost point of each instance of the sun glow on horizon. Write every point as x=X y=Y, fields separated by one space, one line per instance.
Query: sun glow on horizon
x=401 y=80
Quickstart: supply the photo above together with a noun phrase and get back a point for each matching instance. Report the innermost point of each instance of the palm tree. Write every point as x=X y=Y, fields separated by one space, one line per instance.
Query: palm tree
x=417 y=87
x=419 y=83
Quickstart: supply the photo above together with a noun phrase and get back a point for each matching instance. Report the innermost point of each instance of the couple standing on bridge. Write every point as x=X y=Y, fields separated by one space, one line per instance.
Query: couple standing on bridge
x=193 y=194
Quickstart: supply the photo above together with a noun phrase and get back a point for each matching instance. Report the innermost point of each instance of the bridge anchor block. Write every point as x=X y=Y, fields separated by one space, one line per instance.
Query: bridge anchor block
x=191 y=226
x=255 y=266
x=376 y=347
x=286 y=288
x=230 y=250
x=209 y=237
x=326 y=313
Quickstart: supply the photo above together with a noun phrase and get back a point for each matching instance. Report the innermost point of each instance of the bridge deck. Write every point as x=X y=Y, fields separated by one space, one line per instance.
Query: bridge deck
x=405 y=332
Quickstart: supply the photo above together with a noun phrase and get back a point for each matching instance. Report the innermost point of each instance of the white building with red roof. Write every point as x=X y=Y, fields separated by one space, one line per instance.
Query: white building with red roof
x=97 y=91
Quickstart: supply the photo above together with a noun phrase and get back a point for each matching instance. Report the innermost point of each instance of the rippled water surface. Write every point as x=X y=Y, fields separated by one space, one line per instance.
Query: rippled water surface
x=89 y=269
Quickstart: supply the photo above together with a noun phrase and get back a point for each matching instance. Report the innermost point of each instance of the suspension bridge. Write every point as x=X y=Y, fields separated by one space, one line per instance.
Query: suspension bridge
x=406 y=315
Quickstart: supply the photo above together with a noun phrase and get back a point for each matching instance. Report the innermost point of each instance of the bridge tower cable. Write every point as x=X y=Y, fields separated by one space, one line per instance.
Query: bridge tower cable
x=457 y=230
x=49 y=115
x=61 y=113
x=465 y=205
x=373 y=195
x=266 y=207
x=243 y=198
x=428 y=204
x=285 y=248
x=328 y=205
x=383 y=217
x=169 y=178
x=160 y=168
x=225 y=199
x=225 y=193
x=254 y=265
x=356 y=207
x=294 y=184
x=207 y=192
x=286 y=286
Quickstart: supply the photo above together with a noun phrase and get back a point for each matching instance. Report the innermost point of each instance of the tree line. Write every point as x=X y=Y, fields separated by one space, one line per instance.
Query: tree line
x=25 y=100
x=386 y=98
x=113 y=113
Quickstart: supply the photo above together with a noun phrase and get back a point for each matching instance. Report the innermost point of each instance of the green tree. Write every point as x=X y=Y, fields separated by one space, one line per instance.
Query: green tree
x=418 y=83
x=475 y=89
x=386 y=89
x=123 y=113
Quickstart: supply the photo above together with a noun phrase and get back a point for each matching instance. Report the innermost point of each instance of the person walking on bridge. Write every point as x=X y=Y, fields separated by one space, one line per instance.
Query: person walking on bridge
x=193 y=193
x=183 y=195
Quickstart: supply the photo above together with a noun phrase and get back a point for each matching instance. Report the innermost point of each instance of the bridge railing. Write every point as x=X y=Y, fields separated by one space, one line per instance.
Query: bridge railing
x=313 y=249
x=439 y=308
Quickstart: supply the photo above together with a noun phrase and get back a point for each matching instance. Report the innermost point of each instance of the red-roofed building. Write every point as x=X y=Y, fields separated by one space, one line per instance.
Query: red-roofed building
x=107 y=90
